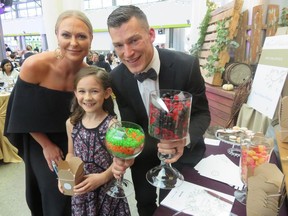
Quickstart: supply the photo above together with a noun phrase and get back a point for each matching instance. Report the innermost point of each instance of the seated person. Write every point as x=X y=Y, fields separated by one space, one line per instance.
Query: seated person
x=8 y=73
x=103 y=64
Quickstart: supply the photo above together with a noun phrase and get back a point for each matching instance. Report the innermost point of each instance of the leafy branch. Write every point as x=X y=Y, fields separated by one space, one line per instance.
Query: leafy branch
x=221 y=43
x=195 y=48
x=284 y=17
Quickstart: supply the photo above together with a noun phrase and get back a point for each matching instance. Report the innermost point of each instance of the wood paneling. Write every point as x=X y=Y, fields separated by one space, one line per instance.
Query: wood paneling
x=220 y=103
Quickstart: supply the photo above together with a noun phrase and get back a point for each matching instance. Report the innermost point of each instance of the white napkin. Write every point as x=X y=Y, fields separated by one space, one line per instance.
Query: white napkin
x=213 y=142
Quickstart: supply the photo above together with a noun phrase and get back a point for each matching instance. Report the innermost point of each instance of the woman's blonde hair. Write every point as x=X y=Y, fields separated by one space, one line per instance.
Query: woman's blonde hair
x=74 y=13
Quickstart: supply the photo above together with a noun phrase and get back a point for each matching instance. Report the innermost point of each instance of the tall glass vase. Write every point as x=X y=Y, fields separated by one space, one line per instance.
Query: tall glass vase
x=123 y=140
x=255 y=151
x=169 y=118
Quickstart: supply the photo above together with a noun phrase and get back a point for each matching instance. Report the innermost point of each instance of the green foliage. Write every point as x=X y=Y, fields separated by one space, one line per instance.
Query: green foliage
x=195 y=49
x=211 y=4
x=222 y=42
x=283 y=17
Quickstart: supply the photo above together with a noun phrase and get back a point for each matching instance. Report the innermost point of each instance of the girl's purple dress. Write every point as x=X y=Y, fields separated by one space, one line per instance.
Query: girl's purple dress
x=89 y=145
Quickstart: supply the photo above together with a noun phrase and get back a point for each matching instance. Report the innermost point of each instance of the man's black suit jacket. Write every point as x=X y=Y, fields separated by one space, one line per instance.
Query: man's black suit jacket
x=177 y=71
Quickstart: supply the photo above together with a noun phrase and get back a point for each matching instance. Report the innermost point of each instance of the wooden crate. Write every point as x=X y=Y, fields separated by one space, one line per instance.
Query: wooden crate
x=231 y=12
x=220 y=103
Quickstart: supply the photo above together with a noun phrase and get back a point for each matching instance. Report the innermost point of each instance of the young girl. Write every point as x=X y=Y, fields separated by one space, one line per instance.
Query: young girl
x=92 y=114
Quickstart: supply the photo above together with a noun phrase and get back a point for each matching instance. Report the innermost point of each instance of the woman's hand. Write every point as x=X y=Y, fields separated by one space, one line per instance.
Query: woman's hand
x=119 y=166
x=52 y=153
x=175 y=148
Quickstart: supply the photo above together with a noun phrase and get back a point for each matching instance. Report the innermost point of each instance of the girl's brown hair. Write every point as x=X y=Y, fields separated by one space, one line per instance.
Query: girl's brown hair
x=104 y=78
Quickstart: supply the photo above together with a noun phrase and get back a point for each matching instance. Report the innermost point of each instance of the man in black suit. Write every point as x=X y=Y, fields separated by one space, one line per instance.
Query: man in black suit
x=133 y=42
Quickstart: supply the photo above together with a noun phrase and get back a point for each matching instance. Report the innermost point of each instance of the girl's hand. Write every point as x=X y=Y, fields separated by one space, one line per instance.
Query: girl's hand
x=90 y=183
x=119 y=166
x=60 y=187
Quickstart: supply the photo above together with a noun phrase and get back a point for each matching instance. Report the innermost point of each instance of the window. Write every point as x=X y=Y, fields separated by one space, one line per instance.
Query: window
x=96 y=4
x=23 y=8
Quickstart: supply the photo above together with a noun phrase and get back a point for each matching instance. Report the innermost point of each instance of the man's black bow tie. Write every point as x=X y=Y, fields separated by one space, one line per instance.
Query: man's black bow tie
x=151 y=74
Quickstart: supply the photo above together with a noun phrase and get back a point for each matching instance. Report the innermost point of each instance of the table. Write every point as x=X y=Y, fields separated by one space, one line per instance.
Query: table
x=8 y=152
x=191 y=175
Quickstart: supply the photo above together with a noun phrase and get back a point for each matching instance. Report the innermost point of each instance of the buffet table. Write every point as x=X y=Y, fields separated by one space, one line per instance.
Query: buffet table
x=191 y=175
x=8 y=152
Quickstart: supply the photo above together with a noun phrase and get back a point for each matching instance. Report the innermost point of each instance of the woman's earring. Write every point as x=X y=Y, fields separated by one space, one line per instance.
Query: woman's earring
x=58 y=53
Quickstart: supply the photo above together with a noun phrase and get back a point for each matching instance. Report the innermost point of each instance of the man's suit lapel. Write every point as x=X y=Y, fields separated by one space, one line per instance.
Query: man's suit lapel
x=132 y=91
x=167 y=72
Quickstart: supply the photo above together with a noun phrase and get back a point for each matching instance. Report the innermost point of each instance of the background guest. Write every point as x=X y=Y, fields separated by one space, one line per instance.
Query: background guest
x=8 y=49
x=103 y=64
x=89 y=57
x=95 y=57
x=28 y=52
x=14 y=60
x=8 y=73
x=111 y=60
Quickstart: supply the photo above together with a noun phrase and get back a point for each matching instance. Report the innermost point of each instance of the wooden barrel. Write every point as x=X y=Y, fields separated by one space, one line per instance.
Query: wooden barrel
x=237 y=73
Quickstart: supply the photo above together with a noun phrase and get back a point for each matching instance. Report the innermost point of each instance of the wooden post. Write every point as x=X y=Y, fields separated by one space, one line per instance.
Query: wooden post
x=256 y=34
x=241 y=39
x=272 y=20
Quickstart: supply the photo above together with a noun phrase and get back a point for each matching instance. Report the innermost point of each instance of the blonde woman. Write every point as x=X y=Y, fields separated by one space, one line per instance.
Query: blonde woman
x=39 y=107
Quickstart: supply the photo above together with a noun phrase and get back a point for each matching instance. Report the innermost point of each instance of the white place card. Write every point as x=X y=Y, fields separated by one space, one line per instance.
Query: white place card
x=270 y=75
x=193 y=199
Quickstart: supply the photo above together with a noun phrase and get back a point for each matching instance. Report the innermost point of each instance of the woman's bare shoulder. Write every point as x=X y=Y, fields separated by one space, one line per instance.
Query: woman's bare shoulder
x=37 y=66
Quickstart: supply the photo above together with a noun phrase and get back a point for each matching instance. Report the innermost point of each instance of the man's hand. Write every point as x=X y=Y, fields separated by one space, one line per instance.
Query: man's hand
x=175 y=148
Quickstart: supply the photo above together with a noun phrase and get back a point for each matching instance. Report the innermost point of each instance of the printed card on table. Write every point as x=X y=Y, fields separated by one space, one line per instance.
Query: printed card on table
x=270 y=75
x=193 y=199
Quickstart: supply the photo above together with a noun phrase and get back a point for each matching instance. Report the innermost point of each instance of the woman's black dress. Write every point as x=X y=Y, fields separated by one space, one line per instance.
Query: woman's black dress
x=33 y=108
